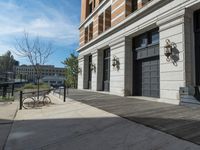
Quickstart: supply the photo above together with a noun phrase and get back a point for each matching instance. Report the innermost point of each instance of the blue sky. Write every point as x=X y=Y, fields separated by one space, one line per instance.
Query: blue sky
x=53 y=20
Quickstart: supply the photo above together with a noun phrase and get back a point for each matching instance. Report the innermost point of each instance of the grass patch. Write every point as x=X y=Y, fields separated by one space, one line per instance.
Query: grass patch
x=6 y=99
x=29 y=86
x=34 y=86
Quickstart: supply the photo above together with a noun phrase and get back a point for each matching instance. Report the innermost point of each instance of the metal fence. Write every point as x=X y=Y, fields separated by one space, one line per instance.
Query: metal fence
x=7 y=91
x=33 y=97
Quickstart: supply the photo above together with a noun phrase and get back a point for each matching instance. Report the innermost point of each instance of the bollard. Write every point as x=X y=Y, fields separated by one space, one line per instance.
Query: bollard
x=64 y=96
x=20 y=100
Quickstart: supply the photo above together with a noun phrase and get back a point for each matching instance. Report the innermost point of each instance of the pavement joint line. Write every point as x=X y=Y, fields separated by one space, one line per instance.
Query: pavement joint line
x=60 y=140
x=11 y=127
x=97 y=129
x=4 y=123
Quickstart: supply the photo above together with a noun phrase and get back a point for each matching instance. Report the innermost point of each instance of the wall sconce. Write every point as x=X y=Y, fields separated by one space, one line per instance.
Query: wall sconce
x=80 y=70
x=168 y=49
x=115 y=62
x=93 y=67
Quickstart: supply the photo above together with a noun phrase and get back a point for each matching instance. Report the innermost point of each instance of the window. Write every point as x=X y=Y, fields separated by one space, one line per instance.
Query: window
x=100 y=24
x=94 y=3
x=90 y=8
x=107 y=18
x=134 y=5
x=90 y=31
x=141 y=41
x=154 y=37
x=106 y=64
x=86 y=35
x=90 y=69
x=151 y=37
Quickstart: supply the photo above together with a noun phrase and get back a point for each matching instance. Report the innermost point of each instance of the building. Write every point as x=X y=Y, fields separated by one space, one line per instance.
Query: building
x=6 y=77
x=54 y=80
x=28 y=72
x=146 y=48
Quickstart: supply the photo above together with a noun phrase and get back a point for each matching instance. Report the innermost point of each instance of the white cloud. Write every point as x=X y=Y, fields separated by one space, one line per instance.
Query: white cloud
x=47 y=22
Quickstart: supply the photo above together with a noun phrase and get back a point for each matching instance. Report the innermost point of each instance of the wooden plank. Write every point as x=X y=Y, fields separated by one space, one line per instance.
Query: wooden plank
x=179 y=121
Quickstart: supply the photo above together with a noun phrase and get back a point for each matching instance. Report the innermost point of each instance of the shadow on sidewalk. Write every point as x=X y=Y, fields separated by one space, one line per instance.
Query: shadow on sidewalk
x=97 y=133
x=179 y=121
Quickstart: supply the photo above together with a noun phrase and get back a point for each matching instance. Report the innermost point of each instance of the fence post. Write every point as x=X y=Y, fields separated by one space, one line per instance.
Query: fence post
x=20 y=100
x=13 y=88
x=64 y=96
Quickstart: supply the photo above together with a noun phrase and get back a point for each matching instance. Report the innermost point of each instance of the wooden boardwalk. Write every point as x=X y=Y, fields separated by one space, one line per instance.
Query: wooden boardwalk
x=180 y=121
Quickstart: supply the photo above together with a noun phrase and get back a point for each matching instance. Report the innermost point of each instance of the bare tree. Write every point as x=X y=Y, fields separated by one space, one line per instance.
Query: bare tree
x=35 y=50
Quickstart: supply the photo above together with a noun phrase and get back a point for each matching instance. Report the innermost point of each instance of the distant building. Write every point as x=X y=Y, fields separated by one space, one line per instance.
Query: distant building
x=6 y=77
x=54 y=80
x=27 y=71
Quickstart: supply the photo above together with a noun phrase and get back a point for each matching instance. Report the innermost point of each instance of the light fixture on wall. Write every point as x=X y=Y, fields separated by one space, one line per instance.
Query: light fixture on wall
x=80 y=70
x=115 y=62
x=93 y=67
x=168 y=49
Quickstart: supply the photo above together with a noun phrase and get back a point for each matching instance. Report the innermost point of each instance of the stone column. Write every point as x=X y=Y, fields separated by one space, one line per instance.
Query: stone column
x=94 y=72
x=128 y=78
x=80 y=74
x=172 y=75
x=117 y=74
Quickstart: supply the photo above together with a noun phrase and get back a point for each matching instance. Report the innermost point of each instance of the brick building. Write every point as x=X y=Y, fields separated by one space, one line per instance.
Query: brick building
x=145 y=48
x=28 y=71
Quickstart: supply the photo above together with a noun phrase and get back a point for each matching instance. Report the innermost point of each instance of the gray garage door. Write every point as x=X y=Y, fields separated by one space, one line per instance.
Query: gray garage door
x=149 y=77
x=148 y=71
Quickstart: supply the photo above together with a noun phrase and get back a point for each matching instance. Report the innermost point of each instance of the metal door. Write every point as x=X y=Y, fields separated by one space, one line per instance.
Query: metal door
x=148 y=83
x=90 y=73
x=197 y=45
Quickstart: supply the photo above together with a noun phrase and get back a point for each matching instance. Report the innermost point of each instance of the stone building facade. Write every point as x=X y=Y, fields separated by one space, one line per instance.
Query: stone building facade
x=123 y=43
x=28 y=71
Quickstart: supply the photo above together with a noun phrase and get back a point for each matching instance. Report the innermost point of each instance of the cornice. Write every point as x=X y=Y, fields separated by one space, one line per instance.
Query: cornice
x=151 y=6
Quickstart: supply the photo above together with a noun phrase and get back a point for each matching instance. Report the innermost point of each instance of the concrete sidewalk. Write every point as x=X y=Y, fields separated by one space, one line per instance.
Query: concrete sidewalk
x=77 y=126
x=180 y=121
x=7 y=114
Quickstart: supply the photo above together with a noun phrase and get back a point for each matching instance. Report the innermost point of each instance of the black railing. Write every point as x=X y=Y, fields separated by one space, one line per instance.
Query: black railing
x=62 y=91
x=32 y=95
